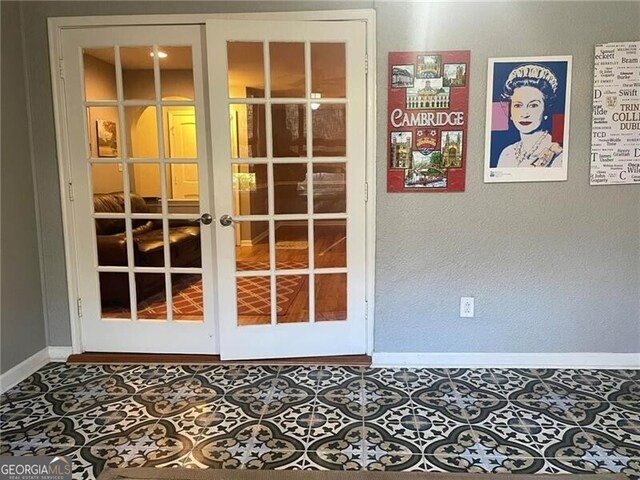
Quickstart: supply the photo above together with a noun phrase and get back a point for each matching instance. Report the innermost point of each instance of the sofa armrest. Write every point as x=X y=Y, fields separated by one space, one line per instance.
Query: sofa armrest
x=112 y=250
x=146 y=227
x=184 y=223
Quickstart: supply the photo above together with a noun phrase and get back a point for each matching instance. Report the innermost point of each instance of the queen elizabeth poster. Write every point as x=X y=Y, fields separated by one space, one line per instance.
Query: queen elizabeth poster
x=527 y=127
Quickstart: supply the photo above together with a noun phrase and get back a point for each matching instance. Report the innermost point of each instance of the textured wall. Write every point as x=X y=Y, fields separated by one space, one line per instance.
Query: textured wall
x=22 y=329
x=554 y=267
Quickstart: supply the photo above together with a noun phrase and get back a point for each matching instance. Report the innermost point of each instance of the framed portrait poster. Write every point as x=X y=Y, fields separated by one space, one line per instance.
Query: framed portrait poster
x=527 y=127
x=427 y=123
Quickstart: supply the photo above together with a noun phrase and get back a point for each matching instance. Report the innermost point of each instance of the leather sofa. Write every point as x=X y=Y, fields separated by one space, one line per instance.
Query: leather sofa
x=184 y=248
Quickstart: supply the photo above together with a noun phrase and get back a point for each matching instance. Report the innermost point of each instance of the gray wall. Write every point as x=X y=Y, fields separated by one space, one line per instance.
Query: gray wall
x=554 y=267
x=22 y=329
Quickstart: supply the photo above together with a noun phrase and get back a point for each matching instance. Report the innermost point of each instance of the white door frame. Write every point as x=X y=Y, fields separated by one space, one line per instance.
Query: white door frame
x=56 y=27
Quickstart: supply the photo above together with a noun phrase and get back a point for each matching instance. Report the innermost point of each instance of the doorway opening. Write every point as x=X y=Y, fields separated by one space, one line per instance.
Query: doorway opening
x=284 y=143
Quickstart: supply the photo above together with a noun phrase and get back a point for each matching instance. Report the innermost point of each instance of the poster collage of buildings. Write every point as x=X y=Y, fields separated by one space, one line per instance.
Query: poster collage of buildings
x=428 y=105
x=527 y=119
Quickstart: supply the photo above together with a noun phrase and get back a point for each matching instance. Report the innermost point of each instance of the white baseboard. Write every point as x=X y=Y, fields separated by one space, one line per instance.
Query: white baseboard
x=59 y=354
x=21 y=371
x=35 y=362
x=507 y=360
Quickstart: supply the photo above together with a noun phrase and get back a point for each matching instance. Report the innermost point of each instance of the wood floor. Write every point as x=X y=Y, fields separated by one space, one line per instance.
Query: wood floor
x=180 y=359
x=292 y=290
x=292 y=252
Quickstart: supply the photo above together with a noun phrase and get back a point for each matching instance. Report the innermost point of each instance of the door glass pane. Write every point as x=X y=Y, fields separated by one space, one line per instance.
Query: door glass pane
x=292 y=294
x=138 y=204
x=245 y=62
x=180 y=132
x=144 y=181
x=287 y=70
x=328 y=70
x=176 y=73
x=99 y=74
x=111 y=242
x=290 y=194
x=104 y=132
x=289 y=131
x=187 y=297
x=329 y=130
x=184 y=243
x=148 y=242
x=183 y=188
x=137 y=73
x=250 y=189
x=252 y=246
x=114 y=295
x=151 y=296
x=330 y=243
x=248 y=131
x=331 y=297
x=142 y=132
x=329 y=188
x=109 y=203
x=253 y=300
x=106 y=177
x=292 y=246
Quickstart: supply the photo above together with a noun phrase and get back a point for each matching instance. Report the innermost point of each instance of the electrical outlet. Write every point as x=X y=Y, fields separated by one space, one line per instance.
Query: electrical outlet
x=466 y=307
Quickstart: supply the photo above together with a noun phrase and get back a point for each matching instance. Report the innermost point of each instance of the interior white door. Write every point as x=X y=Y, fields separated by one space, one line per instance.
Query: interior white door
x=182 y=136
x=288 y=134
x=144 y=259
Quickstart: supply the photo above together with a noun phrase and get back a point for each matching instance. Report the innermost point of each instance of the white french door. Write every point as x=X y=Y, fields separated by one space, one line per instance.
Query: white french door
x=288 y=132
x=144 y=260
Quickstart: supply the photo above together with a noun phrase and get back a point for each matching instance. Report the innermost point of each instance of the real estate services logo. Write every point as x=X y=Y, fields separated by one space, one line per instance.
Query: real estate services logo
x=35 y=468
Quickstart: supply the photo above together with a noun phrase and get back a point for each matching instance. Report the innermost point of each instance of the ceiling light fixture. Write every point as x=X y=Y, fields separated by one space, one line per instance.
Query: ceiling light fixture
x=160 y=54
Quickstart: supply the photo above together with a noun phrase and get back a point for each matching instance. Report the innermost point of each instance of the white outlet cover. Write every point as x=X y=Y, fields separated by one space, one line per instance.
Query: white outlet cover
x=466 y=307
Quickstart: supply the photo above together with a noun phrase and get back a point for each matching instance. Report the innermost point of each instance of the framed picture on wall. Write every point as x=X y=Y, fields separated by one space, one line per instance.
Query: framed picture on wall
x=107 y=139
x=527 y=127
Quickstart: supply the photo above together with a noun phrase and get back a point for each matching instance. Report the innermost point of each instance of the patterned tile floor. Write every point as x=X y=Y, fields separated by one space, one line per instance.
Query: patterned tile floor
x=457 y=420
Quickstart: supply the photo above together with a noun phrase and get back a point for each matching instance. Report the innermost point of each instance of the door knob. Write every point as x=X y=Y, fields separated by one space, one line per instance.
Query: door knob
x=226 y=220
x=205 y=219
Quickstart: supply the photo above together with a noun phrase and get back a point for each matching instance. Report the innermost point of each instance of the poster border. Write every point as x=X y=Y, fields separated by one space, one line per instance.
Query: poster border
x=460 y=180
x=539 y=175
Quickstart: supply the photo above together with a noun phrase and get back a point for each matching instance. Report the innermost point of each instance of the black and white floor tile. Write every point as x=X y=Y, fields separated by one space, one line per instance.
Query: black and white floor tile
x=346 y=418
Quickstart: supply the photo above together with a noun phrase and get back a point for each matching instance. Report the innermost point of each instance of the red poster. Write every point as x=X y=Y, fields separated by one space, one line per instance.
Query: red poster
x=427 y=121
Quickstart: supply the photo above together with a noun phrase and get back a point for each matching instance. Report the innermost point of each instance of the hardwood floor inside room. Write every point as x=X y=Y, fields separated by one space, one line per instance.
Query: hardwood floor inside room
x=292 y=289
x=254 y=291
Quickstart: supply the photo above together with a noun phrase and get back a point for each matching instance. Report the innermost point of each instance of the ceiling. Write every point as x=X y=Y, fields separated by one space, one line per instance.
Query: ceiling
x=139 y=58
x=246 y=67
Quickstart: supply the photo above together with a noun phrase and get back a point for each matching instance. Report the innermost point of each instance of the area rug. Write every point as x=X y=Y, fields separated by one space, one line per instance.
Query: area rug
x=215 y=474
x=254 y=297
x=254 y=293
x=187 y=302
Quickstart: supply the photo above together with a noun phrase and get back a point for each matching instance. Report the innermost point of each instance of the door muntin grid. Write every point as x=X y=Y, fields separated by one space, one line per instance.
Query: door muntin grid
x=299 y=168
x=172 y=90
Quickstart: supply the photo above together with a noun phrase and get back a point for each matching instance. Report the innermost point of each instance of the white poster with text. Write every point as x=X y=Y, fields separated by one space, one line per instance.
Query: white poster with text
x=615 y=132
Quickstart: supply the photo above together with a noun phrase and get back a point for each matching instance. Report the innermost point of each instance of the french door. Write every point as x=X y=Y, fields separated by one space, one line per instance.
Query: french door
x=288 y=134
x=139 y=181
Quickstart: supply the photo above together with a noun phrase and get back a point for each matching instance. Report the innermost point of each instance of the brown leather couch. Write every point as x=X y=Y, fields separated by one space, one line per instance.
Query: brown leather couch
x=184 y=242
